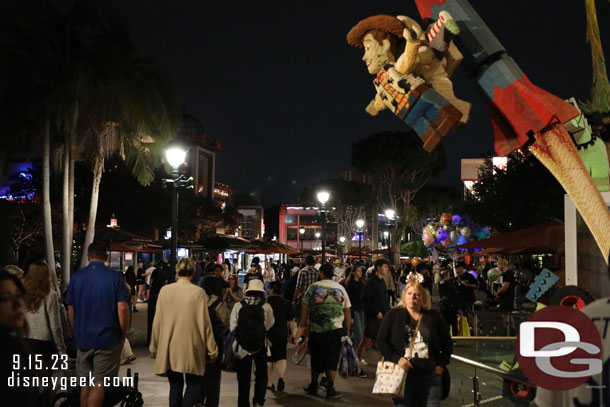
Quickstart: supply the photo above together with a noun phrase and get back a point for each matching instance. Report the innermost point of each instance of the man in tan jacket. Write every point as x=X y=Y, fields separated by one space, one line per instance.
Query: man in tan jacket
x=182 y=336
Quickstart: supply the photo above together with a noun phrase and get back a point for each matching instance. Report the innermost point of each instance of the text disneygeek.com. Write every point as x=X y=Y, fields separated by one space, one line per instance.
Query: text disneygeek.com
x=16 y=380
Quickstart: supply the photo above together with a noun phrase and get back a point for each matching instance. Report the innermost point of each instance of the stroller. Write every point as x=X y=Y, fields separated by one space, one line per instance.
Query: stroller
x=123 y=396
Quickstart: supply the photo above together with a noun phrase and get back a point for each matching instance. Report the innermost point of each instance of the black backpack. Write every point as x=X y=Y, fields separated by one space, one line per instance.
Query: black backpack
x=250 y=331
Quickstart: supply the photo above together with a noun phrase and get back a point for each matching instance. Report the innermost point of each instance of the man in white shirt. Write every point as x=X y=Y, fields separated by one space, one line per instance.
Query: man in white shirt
x=147 y=275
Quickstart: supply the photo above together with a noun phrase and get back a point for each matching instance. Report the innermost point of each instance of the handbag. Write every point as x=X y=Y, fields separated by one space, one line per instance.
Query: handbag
x=348 y=361
x=390 y=378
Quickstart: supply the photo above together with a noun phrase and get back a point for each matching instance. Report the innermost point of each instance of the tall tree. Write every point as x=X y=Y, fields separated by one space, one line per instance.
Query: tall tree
x=399 y=168
x=600 y=88
x=500 y=199
x=39 y=46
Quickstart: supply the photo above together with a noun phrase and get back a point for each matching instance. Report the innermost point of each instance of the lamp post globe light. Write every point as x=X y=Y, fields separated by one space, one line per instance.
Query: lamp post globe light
x=389 y=216
x=317 y=235
x=360 y=225
x=302 y=235
x=389 y=213
x=323 y=198
x=175 y=153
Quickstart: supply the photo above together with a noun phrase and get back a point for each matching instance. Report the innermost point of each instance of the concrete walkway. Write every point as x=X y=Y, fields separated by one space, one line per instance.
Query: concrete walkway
x=356 y=391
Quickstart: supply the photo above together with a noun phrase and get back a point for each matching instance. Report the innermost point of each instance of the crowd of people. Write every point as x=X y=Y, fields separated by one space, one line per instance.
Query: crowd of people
x=200 y=318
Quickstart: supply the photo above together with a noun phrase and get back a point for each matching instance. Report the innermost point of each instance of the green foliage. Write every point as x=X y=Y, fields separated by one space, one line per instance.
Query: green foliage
x=415 y=249
x=433 y=200
x=399 y=167
x=523 y=195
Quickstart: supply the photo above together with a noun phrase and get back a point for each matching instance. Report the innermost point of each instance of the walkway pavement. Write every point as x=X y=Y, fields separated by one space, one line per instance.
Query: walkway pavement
x=356 y=391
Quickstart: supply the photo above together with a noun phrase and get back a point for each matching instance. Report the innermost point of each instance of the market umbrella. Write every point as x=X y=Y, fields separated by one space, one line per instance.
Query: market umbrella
x=272 y=247
x=220 y=242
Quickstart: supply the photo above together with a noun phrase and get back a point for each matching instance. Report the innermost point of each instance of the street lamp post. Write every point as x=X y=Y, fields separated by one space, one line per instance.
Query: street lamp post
x=323 y=198
x=342 y=244
x=175 y=153
x=302 y=235
x=360 y=225
x=389 y=215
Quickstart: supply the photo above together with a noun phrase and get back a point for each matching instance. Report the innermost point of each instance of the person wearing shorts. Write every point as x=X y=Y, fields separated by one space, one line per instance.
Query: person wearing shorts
x=98 y=313
x=325 y=307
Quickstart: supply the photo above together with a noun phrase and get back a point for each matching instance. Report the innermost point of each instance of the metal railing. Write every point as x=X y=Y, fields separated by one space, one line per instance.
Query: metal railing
x=478 y=365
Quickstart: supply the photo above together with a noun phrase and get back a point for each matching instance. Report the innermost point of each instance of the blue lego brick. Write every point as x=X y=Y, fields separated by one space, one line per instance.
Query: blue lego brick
x=500 y=74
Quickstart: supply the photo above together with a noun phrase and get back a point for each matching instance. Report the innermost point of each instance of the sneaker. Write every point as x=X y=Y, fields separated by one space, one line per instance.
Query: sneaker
x=135 y=309
x=362 y=374
x=324 y=382
x=311 y=389
x=332 y=394
x=363 y=362
x=280 y=384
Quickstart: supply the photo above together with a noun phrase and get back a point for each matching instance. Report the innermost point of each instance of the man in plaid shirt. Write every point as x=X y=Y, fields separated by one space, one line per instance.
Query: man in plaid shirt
x=307 y=276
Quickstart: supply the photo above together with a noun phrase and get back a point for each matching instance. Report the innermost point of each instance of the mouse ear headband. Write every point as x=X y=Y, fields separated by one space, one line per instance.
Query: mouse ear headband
x=415 y=277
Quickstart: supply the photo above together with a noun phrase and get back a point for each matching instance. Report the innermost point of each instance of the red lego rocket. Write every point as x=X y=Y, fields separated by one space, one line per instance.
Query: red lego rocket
x=523 y=115
x=518 y=109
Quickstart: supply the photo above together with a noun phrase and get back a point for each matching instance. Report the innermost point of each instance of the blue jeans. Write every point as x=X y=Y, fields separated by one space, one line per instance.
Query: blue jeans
x=357 y=328
x=421 y=391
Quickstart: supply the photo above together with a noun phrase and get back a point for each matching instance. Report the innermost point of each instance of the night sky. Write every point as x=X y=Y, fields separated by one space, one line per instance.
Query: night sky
x=280 y=87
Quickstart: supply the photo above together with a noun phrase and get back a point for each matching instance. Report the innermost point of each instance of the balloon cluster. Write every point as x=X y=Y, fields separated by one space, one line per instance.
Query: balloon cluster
x=451 y=231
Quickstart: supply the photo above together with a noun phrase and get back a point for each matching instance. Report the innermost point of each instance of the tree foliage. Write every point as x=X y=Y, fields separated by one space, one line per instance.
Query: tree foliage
x=399 y=167
x=524 y=194
x=415 y=248
x=432 y=201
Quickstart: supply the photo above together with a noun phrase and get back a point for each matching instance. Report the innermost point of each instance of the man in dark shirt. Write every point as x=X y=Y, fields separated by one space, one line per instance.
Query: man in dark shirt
x=465 y=291
x=158 y=279
x=375 y=303
x=99 y=316
x=291 y=284
x=506 y=292
x=215 y=270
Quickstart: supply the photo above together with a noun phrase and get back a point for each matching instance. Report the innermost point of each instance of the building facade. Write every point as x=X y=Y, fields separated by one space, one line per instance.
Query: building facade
x=201 y=156
x=295 y=217
x=252 y=222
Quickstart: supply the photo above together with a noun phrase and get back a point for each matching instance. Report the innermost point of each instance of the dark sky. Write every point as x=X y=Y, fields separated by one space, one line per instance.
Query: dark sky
x=280 y=87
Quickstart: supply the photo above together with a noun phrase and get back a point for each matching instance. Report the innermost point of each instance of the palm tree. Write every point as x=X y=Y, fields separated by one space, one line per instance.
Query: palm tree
x=83 y=102
x=131 y=113
x=600 y=89
x=37 y=63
